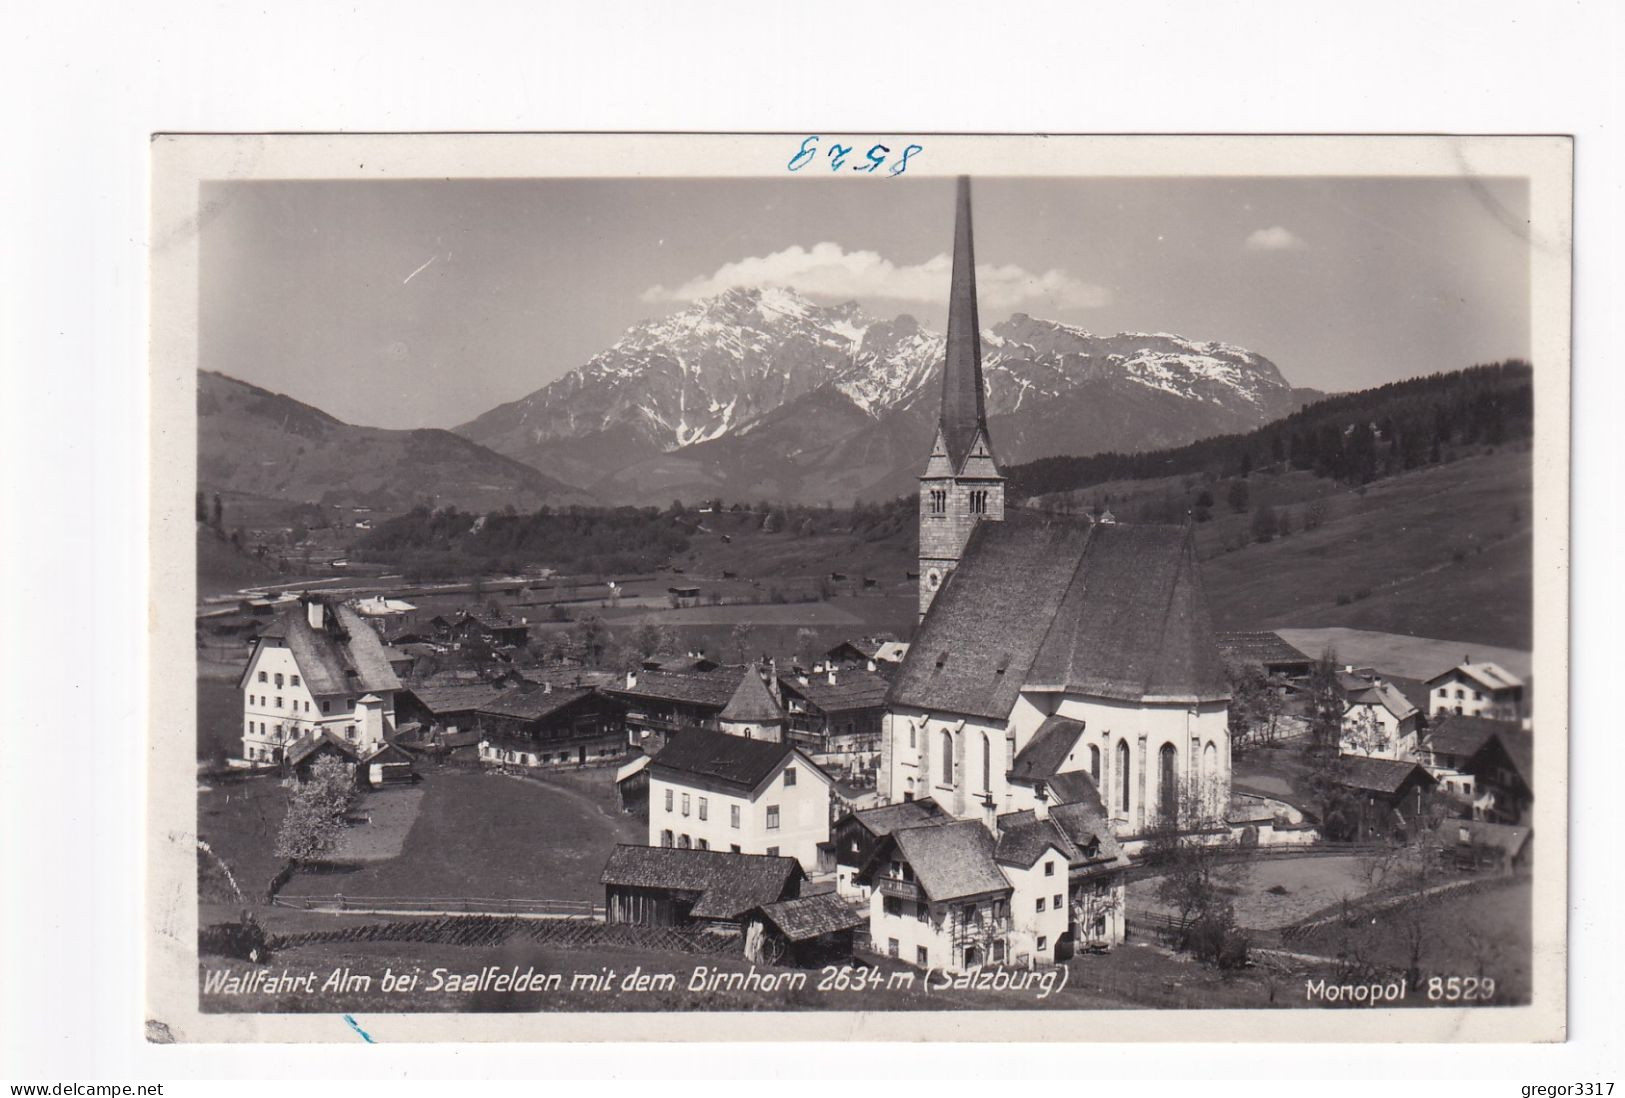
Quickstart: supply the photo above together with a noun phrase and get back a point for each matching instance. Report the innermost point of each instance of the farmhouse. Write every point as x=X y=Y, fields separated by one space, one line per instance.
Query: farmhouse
x=1030 y=617
x=317 y=668
x=837 y=716
x=1482 y=844
x=869 y=652
x=857 y=834
x=712 y=791
x=1477 y=690
x=1484 y=762
x=659 y=704
x=663 y=886
x=446 y=709
x=1380 y=722
x=547 y=726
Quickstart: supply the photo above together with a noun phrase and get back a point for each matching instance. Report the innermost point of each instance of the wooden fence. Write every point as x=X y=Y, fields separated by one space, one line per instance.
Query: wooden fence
x=442 y=905
x=492 y=930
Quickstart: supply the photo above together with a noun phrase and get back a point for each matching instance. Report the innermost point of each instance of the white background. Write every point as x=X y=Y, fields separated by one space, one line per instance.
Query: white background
x=83 y=88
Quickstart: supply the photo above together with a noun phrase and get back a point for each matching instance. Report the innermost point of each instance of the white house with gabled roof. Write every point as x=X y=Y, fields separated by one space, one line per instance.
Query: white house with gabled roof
x=1482 y=689
x=318 y=668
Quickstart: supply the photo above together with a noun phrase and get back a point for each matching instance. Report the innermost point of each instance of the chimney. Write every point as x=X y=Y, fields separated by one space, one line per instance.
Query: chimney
x=547 y=688
x=871 y=665
x=1041 y=801
x=315 y=612
x=802 y=679
x=832 y=676
x=632 y=679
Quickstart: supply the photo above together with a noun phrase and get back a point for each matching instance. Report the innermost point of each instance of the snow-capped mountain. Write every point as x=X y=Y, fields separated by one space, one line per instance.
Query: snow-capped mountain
x=764 y=393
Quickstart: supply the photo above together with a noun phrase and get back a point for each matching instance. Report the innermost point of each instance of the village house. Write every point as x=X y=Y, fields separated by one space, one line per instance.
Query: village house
x=659 y=704
x=1379 y=722
x=1483 y=763
x=712 y=791
x=318 y=668
x=856 y=835
x=837 y=716
x=1027 y=617
x=545 y=725
x=1477 y=690
x=388 y=616
x=669 y=886
x=1482 y=844
x=870 y=652
x=496 y=631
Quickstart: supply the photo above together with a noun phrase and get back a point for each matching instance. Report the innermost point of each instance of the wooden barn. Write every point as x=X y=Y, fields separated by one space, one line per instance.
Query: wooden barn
x=1389 y=795
x=668 y=886
x=807 y=931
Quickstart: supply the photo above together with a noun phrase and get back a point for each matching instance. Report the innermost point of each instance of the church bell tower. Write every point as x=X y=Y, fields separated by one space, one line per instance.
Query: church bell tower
x=961 y=485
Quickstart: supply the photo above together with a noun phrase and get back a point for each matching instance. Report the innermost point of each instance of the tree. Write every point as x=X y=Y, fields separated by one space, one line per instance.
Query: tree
x=1238 y=496
x=1325 y=704
x=591 y=639
x=1314 y=516
x=1195 y=879
x=1255 y=703
x=739 y=639
x=651 y=638
x=315 y=817
x=1264 y=524
x=1363 y=732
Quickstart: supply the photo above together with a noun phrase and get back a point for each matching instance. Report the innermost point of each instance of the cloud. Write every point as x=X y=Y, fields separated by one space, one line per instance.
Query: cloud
x=1274 y=239
x=828 y=270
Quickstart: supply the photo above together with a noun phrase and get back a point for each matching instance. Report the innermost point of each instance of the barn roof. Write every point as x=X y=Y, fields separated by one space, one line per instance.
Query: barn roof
x=1055 y=602
x=454 y=699
x=345 y=656
x=728 y=884
x=884 y=819
x=807 y=917
x=717 y=756
x=313 y=742
x=1453 y=734
x=1378 y=775
x=752 y=702
x=1023 y=843
x=1259 y=647
x=1386 y=695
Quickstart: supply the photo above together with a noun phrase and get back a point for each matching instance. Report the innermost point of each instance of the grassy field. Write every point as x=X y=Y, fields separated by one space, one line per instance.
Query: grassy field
x=1308 y=886
x=486 y=836
x=219 y=713
x=1398 y=654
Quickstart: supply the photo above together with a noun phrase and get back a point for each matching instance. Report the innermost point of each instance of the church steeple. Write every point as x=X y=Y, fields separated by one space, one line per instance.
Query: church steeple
x=963 y=411
x=961 y=485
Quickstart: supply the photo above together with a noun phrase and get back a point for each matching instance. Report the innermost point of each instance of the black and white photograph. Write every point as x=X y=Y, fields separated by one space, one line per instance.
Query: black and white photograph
x=910 y=576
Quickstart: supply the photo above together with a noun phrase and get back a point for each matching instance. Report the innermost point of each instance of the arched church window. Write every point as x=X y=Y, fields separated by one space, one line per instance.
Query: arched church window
x=987 y=763
x=1122 y=774
x=1094 y=763
x=1167 y=788
x=947 y=758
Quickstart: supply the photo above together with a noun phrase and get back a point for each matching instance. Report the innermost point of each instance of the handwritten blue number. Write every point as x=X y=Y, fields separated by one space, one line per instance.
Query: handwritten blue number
x=874 y=160
x=902 y=163
x=837 y=156
x=809 y=148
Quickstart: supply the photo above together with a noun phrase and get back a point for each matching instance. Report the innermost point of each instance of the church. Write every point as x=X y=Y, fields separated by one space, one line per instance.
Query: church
x=1057 y=660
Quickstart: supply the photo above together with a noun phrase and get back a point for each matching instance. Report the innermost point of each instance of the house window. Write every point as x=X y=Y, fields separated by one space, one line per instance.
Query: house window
x=682 y=842
x=264 y=677
x=704 y=844
x=327 y=706
x=1058 y=903
x=987 y=763
x=1094 y=763
x=668 y=800
x=733 y=816
x=1049 y=869
x=685 y=804
x=349 y=731
x=279 y=680
x=1043 y=944
x=998 y=908
x=893 y=906
x=294 y=679
x=734 y=847
x=911 y=734
x=1122 y=775
x=922 y=913
x=789 y=775
x=772 y=852
x=772 y=817
x=279 y=701
x=997 y=953
x=891 y=947
x=1039 y=903
x=922 y=956
x=703 y=807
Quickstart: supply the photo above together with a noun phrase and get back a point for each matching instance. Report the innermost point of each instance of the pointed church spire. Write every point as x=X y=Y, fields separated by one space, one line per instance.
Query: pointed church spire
x=963 y=413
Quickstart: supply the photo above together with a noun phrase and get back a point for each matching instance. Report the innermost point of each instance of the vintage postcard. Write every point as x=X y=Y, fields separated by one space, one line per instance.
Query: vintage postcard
x=878 y=586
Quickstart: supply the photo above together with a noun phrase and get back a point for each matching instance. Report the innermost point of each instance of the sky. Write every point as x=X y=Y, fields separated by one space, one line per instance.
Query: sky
x=426 y=303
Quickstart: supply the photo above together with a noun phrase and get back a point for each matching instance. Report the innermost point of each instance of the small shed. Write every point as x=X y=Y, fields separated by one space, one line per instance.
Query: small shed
x=302 y=756
x=632 y=786
x=389 y=765
x=669 y=886
x=808 y=931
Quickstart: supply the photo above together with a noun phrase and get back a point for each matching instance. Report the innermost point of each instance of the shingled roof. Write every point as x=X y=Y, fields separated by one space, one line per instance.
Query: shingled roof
x=714 y=689
x=951 y=860
x=808 y=917
x=752 y=702
x=719 y=757
x=1047 y=750
x=533 y=704
x=454 y=699
x=1377 y=775
x=728 y=884
x=1056 y=602
x=1259 y=647
x=345 y=656
x=1386 y=695
x=852 y=689
x=882 y=820
x=1454 y=734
